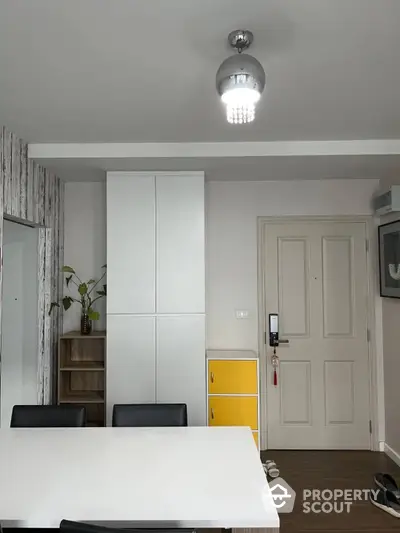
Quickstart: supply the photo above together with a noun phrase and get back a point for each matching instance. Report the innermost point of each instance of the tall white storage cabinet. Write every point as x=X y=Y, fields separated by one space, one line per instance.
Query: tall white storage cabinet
x=156 y=290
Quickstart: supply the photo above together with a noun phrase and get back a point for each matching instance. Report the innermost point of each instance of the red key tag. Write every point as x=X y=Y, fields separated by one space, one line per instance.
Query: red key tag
x=275 y=362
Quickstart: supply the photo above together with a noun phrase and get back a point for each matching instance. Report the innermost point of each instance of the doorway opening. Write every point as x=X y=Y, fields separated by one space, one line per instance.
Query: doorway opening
x=19 y=350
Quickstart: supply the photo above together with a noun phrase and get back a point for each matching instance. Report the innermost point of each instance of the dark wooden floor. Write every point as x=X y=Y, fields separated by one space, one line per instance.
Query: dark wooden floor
x=334 y=470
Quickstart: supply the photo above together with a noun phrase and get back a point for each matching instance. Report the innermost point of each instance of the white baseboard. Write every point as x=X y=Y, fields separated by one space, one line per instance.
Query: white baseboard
x=381 y=446
x=392 y=454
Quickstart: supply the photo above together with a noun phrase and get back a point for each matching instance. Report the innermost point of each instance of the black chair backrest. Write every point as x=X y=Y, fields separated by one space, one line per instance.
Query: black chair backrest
x=66 y=526
x=47 y=416
x=150 y=415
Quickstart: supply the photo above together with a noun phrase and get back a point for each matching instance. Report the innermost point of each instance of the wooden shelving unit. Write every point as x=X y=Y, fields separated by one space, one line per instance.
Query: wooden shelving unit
x=81 y=373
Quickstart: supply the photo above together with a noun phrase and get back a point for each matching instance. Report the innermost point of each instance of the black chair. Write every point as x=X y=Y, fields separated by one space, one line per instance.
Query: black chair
x=47 y=416
x=66 y=526
x=150 y=415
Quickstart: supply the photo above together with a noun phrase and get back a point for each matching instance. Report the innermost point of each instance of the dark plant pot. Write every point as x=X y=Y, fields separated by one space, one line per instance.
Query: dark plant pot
x=86 y=325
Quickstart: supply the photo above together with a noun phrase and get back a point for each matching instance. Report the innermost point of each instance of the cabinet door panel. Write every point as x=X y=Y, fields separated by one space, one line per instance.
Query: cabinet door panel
x=181 y=369
x=180 y=244
x=130 y=243
x=226 y=376
x=233 y=411
x=130 y=360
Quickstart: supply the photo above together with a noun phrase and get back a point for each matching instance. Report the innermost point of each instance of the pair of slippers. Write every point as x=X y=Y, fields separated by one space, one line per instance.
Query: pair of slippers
x=270 y=469
x=388 y=496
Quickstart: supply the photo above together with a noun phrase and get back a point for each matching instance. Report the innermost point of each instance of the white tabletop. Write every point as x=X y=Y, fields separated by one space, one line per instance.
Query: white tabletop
x=175 y=477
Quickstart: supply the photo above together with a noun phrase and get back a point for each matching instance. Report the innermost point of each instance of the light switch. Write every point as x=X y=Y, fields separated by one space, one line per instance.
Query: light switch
x=242 y=313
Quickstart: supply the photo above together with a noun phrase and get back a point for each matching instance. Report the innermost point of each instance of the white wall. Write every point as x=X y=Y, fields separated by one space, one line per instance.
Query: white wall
x=391 y=362
x=85 y=241
x=232 y=211
x=19 y=319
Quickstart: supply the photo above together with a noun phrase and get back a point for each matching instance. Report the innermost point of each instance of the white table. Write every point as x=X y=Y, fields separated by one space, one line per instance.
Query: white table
x=145 y=477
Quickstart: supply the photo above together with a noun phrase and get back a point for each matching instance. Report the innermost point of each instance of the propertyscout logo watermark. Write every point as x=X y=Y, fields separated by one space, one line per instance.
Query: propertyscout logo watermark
x=315 y=500
x=283 y=495
x=333 y=501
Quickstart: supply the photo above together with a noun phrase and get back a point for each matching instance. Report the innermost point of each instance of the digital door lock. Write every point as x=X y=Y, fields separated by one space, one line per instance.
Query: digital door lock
x=274 y=339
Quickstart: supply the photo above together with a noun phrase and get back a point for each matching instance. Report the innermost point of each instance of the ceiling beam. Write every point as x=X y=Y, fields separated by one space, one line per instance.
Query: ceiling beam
x=222 y=149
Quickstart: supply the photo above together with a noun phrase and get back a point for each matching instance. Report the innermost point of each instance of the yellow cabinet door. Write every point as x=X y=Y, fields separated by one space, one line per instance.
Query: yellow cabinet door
x=232 y=377
x=233 y=411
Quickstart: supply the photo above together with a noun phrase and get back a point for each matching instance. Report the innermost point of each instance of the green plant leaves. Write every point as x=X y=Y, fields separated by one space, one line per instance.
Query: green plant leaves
x=67 y=302
x=82 y=289
x=68 y=269
x=93 y=315
x=103 y=292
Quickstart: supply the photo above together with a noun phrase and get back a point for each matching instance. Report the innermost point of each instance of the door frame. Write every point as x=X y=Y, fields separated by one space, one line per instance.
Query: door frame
x=375 y=377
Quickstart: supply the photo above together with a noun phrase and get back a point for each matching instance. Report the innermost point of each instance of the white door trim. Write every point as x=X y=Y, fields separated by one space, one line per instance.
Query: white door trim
x=376 y=383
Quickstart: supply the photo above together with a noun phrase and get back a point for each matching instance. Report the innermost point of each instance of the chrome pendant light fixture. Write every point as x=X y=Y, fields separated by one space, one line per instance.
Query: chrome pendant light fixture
x=240 y=80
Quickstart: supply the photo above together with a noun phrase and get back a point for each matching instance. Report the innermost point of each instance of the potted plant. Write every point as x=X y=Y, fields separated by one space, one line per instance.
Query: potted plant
x=87 y=297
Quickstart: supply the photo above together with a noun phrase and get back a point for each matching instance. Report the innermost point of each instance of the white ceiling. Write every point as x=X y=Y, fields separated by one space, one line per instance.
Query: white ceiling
x=386 y=167
x=144 y=71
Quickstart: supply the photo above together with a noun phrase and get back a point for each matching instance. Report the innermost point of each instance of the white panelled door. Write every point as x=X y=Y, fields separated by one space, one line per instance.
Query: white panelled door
x=316 y=280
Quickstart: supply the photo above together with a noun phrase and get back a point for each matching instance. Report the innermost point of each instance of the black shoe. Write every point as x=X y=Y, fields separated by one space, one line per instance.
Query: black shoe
x=386 y=501
x=387 y=482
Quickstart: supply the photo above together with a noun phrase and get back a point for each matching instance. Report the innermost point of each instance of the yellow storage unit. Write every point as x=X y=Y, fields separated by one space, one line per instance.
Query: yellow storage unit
x=233 y=411
x=232 y=377
x=233 y=390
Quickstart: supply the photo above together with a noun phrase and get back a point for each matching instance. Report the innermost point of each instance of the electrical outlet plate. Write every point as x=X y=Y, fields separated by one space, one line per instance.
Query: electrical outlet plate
x=242 y=313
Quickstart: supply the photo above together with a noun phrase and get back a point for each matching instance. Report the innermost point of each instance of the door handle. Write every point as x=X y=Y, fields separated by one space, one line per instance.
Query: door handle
x=212 y=377
x=212 y=413
x=276 y=342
